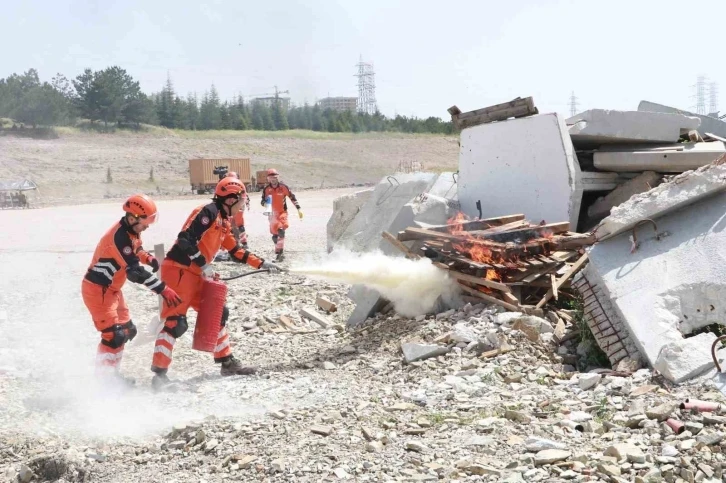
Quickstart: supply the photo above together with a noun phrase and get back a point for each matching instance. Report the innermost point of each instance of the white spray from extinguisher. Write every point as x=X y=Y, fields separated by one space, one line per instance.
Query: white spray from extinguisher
x=413 y=286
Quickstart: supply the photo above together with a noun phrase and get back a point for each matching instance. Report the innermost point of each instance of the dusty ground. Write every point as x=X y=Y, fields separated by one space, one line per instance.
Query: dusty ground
x=330 y=405
x=72 y=169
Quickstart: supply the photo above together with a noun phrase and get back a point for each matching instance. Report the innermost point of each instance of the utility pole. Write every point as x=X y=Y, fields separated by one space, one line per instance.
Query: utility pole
x=713 y=99
x=700 y=95
x=573 y=104
x=366 y=87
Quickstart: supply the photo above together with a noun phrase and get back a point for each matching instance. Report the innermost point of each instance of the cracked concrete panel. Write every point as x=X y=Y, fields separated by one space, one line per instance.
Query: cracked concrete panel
x=668 y=287
x=600 y=126
x=683 y=190
x=525 y=165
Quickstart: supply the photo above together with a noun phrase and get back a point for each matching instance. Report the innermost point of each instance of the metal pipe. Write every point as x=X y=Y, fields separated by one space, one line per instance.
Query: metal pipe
x=713 y=351
x=635 y=244
x=701 y=406
x=253 y=272
x=677 y=426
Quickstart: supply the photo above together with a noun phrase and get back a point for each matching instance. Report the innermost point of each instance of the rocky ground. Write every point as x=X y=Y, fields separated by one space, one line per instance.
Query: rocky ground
x=472 y=394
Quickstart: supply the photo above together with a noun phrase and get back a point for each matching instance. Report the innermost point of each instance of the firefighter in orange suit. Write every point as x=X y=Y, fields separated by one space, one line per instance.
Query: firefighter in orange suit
x=238 y=222
x=118 y=257
x=187 y=263
x=278 y=218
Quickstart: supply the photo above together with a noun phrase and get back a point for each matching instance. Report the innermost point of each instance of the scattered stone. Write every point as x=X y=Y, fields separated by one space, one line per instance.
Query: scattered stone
x=329 y=366
x=416 y=446
x=413 y=352
x=588 y=381
x=662 y=412
x=321 y=430
x=549 y=456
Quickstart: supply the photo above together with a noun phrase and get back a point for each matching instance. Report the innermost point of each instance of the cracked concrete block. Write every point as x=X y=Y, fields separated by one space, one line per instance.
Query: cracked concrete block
x=686 y=358
x=600 y=126
x=683 y=190
x=708 y=124
x=672 y=286
x=345 y=209
x=673 y=158
x=525 y=165
x=640 y=184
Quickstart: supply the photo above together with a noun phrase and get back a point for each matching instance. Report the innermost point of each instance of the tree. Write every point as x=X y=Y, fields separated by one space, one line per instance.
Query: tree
x=279 y=116
x=191 y=112
x=139 y=109
x=209 y=112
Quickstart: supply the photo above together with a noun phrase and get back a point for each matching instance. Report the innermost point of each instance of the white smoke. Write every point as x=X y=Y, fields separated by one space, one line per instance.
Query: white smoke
x=413 y=286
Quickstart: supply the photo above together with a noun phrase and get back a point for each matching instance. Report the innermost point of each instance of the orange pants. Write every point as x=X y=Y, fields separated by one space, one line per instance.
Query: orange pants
x=278 y=225
x=188 y=285
x=108 y=309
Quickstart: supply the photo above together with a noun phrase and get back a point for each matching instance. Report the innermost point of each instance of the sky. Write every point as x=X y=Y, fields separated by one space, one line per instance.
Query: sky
x=427 y=55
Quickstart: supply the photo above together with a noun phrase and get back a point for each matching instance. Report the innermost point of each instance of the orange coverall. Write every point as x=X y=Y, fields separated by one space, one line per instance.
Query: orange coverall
x=117 y=257
x=278 y=217
x=203 y=233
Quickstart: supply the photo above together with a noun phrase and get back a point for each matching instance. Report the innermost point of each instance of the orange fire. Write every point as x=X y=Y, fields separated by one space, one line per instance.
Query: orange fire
x=475 y=251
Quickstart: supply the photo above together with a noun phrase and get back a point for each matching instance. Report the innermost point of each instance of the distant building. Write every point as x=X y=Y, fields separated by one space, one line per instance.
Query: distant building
x=270 y=102
x=339 y=103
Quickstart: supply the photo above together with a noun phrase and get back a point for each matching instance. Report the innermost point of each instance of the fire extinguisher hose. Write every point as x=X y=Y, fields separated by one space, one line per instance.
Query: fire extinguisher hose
x=253 y=272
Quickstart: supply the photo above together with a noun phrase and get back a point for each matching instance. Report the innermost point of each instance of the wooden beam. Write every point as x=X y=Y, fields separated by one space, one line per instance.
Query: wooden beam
x=326 y=304
x=401 y=247
x=530 y=232
x=515 y=108
x=572 y=271
x=315 y=317
x=553 y=279
x=472 y=279
x=478 y=224
x=488 y=298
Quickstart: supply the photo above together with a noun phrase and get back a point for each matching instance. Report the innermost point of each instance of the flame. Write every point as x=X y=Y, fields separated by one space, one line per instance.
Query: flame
x=468 y=246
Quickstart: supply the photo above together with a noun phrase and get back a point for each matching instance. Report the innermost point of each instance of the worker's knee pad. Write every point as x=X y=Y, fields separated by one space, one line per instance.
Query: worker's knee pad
x=281 y=232
x=242 y=229
x=274 y=238
x=180 y=327
x=131 y=330
x=117 y=339
x=225 y=316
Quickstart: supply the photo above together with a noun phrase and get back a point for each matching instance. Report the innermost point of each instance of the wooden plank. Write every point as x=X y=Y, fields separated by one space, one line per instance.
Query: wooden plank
x=326 y=304
x=478 y=224
x=476 y=280
x=531 y=232
x=553 y=279
x=400 y=246
x=511 y=298
x=518 y=107
x=489 y=298
x=573 y=269
x=287 y=323
x=425 y=234
x=315 y=317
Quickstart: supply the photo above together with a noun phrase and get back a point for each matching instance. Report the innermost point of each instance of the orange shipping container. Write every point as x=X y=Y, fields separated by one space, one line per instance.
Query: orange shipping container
x=204 y=179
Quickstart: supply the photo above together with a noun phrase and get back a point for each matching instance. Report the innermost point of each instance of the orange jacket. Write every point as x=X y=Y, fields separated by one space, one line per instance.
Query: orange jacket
x=279 y=193
x=206 y=231
x=118 y=253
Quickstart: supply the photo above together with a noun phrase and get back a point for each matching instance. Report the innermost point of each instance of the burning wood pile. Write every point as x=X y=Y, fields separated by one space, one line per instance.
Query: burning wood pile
x=506 y=260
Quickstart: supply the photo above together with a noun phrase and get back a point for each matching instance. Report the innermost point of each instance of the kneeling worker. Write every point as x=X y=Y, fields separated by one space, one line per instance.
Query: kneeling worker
x=188 y=261
x=118 y=257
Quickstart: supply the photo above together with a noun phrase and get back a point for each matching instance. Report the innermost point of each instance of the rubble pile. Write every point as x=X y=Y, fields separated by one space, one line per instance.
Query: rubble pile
x=499 y=401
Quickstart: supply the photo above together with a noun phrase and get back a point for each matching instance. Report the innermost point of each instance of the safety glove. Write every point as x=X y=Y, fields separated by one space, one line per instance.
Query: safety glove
x=171 y=298
x=154 y=264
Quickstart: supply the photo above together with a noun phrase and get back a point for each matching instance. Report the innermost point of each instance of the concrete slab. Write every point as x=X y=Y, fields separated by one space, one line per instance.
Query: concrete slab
x=667 y=159
x=682 y=190
x=345 y=208
x=669 y=288
x=525 y=165
x=708 y=124
x=394 y=205
x=599 y=126
x=640 y=184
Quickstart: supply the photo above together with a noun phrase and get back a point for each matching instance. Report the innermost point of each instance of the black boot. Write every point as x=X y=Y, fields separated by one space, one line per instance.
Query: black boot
x=233 y=367
x=161 y=382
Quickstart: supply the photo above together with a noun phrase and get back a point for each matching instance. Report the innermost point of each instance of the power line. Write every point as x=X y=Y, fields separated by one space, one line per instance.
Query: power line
x=573 y=104
x=366 y=87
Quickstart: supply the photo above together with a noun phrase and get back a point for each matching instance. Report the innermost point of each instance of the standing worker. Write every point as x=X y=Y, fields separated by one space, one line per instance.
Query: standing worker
x=206 y=230
x=118 y=257
x=238 y=223
x=275 y=193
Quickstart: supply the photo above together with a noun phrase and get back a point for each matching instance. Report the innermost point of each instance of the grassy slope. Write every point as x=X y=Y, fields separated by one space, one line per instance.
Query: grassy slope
x=74 y=165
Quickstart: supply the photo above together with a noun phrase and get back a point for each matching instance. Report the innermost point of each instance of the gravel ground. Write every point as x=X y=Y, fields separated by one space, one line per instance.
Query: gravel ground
x=329 y=404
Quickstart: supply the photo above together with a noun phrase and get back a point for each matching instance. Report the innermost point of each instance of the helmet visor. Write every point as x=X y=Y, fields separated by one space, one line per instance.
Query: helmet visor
x=148 y=220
